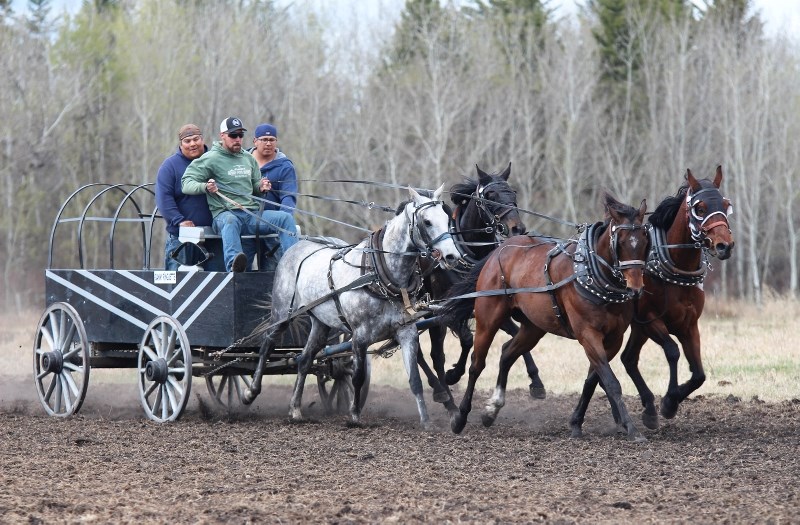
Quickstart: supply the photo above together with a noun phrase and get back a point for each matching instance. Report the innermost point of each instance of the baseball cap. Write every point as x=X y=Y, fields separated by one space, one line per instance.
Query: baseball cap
x=266 y=130
x=231 y=124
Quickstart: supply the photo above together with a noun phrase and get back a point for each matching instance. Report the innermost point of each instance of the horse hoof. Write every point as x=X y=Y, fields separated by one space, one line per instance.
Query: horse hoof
x=576 y=433
x=668 y=408
x=488 y=420
x=451 y=377
x=538 y=392
x=650 y=420
x=637 y=438
x=441 y=397
x=457 y=423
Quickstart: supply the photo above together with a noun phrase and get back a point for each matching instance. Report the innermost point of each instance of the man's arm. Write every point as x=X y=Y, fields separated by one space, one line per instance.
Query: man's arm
x=165 y=195
x=288 y=188
x=194 y=178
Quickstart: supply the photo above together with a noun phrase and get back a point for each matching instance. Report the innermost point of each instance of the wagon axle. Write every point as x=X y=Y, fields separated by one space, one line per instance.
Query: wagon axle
x=53 y=362
x=157 y=371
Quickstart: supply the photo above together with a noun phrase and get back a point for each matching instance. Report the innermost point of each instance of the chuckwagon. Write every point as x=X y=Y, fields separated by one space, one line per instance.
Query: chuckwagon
x=107 y=307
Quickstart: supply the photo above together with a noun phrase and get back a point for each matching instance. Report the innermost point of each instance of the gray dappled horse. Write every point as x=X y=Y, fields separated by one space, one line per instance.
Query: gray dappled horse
x=362 y=290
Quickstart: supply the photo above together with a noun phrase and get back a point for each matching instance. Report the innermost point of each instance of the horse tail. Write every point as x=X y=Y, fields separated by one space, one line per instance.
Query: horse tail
x=455 y=309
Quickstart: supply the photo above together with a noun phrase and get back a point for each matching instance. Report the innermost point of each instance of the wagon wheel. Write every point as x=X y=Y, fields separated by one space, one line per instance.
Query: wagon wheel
x=164 y=365
x=227 y=390
x=61 y=360
x=336 y=384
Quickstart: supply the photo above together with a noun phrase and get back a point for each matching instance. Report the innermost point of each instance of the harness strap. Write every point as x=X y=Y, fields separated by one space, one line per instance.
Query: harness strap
x=552 y=254
x=339 y=255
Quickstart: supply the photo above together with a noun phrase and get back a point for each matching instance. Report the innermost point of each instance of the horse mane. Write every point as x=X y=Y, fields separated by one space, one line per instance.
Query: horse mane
x=460 y=193
x=666 y=211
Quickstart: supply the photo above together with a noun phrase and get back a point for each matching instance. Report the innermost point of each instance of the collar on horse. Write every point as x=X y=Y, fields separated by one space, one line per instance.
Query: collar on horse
x=595 y=284
x=384 y=285
x=661 y=265
x=468 y=256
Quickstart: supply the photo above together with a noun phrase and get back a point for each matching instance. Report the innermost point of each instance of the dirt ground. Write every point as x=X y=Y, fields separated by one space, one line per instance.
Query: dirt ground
x=719 y=461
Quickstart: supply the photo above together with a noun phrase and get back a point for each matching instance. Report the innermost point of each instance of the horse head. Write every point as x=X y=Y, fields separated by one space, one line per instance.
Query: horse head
x=497 y=202
x=429 y=227
x=707 y=213
x=628 y=241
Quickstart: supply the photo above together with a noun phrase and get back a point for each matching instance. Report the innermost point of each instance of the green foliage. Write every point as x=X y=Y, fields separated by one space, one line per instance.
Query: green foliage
x=621 y=23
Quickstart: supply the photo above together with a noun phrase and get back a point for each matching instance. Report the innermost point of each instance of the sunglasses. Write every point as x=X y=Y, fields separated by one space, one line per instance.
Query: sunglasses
x=236 y=135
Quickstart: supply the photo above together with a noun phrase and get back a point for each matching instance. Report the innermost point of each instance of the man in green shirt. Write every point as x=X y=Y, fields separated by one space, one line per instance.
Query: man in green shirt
x=230 y=177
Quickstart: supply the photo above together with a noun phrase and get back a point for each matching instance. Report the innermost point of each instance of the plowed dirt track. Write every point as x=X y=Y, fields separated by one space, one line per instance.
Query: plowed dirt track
x=719 y=461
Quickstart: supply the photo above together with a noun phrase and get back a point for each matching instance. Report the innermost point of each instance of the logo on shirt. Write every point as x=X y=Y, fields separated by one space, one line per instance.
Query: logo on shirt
x=239 y=172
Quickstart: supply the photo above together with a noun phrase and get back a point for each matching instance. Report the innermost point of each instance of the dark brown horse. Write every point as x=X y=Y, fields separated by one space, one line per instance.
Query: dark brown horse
x=580 y=289
x=485 y=214
x=684 y=228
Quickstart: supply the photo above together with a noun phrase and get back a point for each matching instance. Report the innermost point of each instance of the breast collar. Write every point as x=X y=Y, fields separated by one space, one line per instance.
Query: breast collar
x=384 y=286
x=661 y=266
x=593 y=282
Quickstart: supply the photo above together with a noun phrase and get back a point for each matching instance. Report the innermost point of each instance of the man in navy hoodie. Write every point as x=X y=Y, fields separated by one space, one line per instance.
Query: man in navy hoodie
x=177 y=208
x=279 y=170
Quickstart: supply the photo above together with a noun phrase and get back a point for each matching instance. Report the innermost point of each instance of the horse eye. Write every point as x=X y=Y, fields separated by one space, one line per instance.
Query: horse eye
x=427 y=223
x=700 y=210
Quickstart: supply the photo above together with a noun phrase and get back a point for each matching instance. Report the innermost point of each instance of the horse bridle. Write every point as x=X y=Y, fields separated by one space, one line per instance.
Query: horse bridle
x=700 y=226
x=618 y=265
x=494 y=218
x=426 y=248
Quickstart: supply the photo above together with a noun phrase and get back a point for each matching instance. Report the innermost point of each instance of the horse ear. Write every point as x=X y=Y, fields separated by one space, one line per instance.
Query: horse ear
x=414 y=195
x=483 y=177
x=692 y=181
x=506 y=172
x=438 y=193
x=642 y=209
x=718 y=176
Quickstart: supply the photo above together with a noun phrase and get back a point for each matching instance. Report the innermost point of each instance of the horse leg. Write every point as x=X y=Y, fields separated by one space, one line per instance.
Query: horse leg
x=527 y=337
x=630 y=358
x=536 y=387
x=598 y=356
x=466 y=339
x=267 y=346
x=441 y=394
x=408 y=337
x=485 y=330
x=316 y=340
x=579 y=414
x=691 y=350
x=360 y=345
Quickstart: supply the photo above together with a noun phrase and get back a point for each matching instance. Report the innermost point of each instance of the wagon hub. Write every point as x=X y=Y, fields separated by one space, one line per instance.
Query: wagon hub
x=157 y=371
x=53 y=362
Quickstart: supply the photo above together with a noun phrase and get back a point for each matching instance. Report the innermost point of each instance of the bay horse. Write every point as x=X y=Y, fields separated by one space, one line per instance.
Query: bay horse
x=580 y=289
x=684 y=228
x=362 y=289
x=485 y=214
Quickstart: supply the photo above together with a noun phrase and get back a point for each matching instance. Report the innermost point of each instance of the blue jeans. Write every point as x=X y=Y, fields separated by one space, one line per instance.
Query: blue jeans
x=232 y=224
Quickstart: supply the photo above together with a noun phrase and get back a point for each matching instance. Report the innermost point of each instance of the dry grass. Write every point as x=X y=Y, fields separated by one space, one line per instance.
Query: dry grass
x=748 y=351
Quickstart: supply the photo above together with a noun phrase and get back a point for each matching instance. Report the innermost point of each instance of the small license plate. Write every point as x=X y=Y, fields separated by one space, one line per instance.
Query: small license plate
x=165 y=277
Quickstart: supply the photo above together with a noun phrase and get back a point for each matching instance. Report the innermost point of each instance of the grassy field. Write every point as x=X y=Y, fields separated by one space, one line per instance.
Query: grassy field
x=748 y=352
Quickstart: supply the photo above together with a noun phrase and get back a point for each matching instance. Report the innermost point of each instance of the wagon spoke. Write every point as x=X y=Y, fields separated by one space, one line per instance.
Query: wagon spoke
x=70 y=383
x=150 y=353
x=65 y=392
x=164 y=408
x=57 y=380
x=55 y=327
x=48 y=337
x=50 y=389
x=150 y=390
